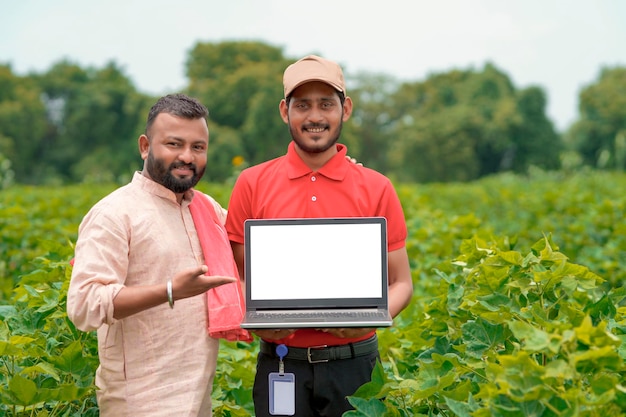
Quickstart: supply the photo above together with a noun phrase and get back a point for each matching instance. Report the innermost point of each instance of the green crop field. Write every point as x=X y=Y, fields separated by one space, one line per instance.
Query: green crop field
x=518 y=310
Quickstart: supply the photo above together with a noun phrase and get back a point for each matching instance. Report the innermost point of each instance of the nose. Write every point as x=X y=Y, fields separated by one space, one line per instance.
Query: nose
x=186 y=155
x=315 y=115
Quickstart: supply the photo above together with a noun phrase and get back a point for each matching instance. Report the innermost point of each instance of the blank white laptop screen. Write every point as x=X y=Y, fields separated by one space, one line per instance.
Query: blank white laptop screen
x=303 y=261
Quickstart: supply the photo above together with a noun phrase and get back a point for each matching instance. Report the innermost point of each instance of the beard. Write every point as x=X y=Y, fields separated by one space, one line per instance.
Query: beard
x=318 y=147
x=162 y=175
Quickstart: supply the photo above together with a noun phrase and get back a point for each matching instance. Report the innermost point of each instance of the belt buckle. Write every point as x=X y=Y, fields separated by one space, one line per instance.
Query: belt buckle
x=308 y=354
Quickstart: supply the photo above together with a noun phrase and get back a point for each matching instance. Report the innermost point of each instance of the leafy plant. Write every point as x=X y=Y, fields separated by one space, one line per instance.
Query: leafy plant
x=506 y=335
x=47 y=366
x=232 y=389
x=490 y=331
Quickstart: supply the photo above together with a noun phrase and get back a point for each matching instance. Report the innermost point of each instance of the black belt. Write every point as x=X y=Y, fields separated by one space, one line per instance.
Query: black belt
x=317 y=354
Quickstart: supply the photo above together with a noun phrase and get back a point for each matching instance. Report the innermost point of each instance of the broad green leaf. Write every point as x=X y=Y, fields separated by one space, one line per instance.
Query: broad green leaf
x=459 y=408
x=7 y=311
x=376 y=388
x=9 y=349
x=71 y=360
x=480 y=335
x=597 y=359
x=365 y=407
x=23 y=389
x=560 y=370
x=21 y=340
x=605 y=308
x=512 y=257
x=603 y=383
x=534 y=340
x=430 y=379
x=494 y=302
x=43 y=368
x=547 y=254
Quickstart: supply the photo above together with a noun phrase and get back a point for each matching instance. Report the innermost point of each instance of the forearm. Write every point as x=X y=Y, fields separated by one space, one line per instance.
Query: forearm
x=400 y=281
x=132 y=300
x=400 y=294
x=186 y=283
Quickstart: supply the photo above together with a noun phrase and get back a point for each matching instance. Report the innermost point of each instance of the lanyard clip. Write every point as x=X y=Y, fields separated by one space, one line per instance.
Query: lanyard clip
x=281 y=351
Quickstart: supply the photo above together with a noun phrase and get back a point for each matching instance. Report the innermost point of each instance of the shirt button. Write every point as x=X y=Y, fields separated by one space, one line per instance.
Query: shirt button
x=313 y=178
x=313 y=198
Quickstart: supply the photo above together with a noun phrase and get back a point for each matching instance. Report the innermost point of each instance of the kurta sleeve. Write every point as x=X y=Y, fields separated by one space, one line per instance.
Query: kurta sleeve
x=99 y=272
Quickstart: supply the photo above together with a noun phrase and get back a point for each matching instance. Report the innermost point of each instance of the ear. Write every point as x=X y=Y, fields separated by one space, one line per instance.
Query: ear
x=347 y=109
x=144 y=146
x=284 y=111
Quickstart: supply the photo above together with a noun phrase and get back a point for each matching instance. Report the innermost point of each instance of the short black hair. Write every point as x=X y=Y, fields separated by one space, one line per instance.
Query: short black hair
x=179 y=105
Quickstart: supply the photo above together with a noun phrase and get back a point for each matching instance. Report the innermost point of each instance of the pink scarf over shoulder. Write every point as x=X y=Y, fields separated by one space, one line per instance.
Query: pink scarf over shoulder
x=226 y=302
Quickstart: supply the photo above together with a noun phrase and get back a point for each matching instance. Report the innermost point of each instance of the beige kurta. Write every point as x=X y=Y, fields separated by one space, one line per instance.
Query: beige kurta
x=160 y=362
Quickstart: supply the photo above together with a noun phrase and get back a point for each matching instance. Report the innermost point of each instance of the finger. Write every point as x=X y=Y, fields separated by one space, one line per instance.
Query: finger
x=216 y=281
x=200 y=270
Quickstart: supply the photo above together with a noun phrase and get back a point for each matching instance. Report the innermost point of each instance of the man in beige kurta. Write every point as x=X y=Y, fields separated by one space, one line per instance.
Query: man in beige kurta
x=160 y=361
x=140 y=279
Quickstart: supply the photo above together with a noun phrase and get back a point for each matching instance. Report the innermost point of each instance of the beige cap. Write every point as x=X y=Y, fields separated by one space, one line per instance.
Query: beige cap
x=313 y=68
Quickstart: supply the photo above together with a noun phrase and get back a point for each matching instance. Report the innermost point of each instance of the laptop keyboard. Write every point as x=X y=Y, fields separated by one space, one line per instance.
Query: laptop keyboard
x=319 y=315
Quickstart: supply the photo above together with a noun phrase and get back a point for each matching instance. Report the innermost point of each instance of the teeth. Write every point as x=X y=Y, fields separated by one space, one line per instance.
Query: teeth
x=318 y=130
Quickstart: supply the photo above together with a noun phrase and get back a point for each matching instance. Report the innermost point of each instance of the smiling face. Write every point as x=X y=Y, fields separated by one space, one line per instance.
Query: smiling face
x=175 y=151
x=315 y=116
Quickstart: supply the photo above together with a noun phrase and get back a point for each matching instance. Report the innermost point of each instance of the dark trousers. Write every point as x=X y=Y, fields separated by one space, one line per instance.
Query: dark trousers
x=321 y=388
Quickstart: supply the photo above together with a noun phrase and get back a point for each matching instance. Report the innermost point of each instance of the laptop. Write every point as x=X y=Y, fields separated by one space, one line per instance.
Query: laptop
x=316 y=273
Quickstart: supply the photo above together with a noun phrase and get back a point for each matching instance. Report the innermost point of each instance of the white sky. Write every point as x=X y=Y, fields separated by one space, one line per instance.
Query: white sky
x=559 y=45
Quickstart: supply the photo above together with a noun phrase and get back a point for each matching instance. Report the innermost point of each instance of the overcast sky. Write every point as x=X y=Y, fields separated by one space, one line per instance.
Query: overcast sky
x=559 y=45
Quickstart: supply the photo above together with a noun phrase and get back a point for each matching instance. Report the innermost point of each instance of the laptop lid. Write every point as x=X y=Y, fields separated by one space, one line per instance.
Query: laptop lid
x=321 y=263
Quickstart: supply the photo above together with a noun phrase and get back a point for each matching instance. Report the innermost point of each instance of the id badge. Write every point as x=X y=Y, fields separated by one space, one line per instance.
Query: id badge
x=282 y=394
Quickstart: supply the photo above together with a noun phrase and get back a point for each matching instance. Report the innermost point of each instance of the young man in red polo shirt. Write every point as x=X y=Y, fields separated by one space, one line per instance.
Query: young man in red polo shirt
x=314 y=179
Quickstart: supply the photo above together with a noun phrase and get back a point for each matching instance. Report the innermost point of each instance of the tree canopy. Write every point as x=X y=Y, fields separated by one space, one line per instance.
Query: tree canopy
x=466 y=124
x=72 y=124
x=599 y=136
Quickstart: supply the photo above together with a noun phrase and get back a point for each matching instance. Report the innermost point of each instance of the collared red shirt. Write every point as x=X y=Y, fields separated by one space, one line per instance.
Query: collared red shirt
x=161 y=361
x=286 y=187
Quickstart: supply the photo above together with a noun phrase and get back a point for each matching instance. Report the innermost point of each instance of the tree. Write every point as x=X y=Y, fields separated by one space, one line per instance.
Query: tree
x=465 y=124
x=241 y=84
x=227 y=75
x=22 y=124
x=368 y=133
x=536 y=141
x=72 y=123
x=95 y=116
x=438 y=147
x=598 y=134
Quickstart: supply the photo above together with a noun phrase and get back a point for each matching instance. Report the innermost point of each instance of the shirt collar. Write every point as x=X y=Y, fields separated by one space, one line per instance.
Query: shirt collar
x=335 y=169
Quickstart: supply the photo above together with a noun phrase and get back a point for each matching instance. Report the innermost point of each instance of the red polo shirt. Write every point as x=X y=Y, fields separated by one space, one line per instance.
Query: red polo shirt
x=286 y=187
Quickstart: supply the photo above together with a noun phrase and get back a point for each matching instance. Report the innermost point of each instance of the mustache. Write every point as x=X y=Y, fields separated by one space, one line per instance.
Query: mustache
x=315 y=126
x=176 y=165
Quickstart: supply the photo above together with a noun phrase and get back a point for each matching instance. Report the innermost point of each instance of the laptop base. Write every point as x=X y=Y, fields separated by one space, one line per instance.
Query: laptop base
x=277 y=319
